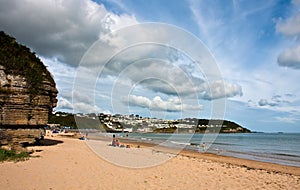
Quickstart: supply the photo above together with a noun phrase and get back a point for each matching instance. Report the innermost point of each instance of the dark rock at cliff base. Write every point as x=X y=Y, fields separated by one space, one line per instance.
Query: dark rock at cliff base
x=27 y=89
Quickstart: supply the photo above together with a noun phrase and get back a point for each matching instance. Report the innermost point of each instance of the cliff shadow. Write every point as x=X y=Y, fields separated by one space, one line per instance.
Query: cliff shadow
x=49 y=142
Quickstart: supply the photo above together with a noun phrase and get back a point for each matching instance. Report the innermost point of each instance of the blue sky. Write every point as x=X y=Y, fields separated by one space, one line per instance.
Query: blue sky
x=255 y=46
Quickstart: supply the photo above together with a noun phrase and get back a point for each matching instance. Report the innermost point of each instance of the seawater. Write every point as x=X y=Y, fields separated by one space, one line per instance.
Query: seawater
x=280 y=148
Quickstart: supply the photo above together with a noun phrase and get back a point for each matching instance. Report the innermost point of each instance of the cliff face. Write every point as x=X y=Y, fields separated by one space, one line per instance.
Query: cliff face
x=27 y=89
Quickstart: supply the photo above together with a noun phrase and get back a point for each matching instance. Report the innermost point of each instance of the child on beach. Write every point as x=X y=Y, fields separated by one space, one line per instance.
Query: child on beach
x=203 y=147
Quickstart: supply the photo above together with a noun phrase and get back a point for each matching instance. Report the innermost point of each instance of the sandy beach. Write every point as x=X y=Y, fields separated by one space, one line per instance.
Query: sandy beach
x=76 y=164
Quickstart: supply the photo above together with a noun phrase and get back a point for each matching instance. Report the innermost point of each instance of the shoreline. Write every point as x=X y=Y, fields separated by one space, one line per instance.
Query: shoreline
x=247 y=163
x=242 y=162
x=72 y=164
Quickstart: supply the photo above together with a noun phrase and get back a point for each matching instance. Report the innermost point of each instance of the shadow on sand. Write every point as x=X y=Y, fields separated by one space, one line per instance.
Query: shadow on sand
x=43 y=142
x=48 y=142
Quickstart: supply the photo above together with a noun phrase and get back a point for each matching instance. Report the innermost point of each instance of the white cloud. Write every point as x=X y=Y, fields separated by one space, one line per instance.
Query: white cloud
x=139 y=101
x=115 y=22
x=64 y=104
x=163 y=77
x=81 y=107
x=265 y=102
x=173 y=78
x=284 y=103
x=290 y=57
x=64 y=29
x=221 y=89
x=157 y=104
x=83 y=97
x=289 y=27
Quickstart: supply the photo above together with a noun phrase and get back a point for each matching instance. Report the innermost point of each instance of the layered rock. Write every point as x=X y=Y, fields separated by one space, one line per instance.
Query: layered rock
x=27 y=89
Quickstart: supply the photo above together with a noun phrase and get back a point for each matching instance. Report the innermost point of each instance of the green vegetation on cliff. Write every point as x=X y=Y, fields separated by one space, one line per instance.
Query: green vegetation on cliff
x=63 y=119
x=205 y=126
x=19 y=60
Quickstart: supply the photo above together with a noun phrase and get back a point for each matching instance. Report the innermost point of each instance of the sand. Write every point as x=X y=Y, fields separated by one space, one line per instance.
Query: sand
x=77 y=164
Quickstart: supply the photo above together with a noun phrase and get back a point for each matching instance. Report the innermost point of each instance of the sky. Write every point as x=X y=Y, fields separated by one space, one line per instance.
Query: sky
x=223 y=59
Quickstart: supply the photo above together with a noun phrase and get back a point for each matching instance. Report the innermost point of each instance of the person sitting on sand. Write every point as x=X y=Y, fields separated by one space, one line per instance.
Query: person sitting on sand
x=113 y=143
x=117 y=143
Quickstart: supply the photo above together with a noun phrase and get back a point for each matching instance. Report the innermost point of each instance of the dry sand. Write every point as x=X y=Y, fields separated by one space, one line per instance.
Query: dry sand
x=74 y=165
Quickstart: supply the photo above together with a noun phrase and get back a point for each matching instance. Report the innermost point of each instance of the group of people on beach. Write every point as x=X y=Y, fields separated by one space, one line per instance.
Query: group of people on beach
x=116 y=143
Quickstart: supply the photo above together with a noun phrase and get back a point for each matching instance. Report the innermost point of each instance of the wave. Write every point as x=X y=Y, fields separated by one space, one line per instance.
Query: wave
x=146 y=139
x=180 y=143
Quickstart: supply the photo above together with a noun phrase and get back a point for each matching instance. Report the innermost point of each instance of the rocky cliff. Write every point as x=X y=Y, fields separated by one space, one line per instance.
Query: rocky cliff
x=27 y=89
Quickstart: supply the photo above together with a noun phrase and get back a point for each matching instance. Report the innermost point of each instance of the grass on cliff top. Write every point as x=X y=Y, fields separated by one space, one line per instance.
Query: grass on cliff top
x=12 y=155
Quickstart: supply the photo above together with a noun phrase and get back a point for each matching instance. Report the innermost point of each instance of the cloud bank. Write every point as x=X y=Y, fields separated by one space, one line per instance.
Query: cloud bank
x=64 y=30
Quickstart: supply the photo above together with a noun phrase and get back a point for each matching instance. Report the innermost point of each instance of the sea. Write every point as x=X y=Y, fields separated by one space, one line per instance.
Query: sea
x=279 y=148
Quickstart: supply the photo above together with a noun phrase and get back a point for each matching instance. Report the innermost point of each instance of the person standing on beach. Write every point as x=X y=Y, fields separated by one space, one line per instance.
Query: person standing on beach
x=113 y=143
x=203 y=147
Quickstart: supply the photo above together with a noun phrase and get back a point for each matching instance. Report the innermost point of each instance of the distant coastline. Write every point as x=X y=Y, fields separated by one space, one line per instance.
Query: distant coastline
x=134 y=123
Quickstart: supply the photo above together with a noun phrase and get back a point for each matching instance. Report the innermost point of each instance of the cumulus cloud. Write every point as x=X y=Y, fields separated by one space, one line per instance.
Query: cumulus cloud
x=139 y=101
x=82 y=107
x=83 y=97
x=251 y=103
x=290 y=57
x=157 y=104
x=64 y=103
x=170 y=79
x=61 y=29
x=163 y=77
x=265 y=102
x=220 y=89
x=290 y=27
x=274 y=101
x=282 y=99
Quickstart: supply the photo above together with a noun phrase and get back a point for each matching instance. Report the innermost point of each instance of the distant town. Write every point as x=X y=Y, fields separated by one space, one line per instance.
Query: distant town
x=136 y=123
